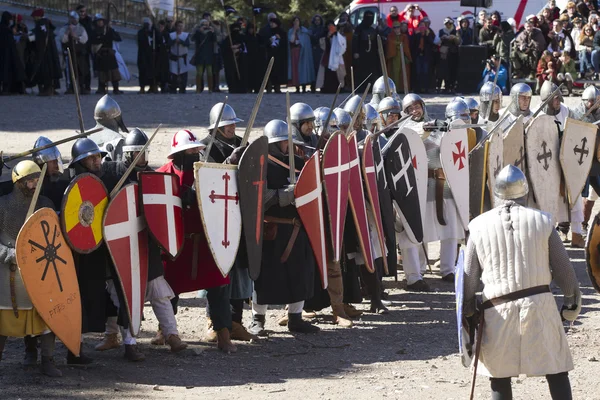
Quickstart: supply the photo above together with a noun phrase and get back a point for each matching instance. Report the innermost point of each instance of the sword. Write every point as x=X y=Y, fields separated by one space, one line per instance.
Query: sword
x=133 y=163
x=404 y=77
x=489 y=110
x=496 y=125
x=292 y=161
x=388 y=91
x=326 y=125
x=357 y=110
x=213 y=134
x=75 y=84
x=352 y=77
x=393 y=124
x=544 y=104
x=354 y=91
x=36 y=194
x=592 y=108
x=257 y=103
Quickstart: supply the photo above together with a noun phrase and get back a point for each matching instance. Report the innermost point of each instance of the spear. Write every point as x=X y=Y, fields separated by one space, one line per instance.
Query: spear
x=357 y=110
x=326 y=125
x=213 y=134
x=75 y=84
x=257 y=103
x=292 y=161
x=388 y=91
x=36 y=194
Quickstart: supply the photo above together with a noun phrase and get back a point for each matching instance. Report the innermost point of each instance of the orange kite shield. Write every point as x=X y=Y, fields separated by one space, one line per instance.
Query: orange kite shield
x=309 y=203
x=82 y=211
x=48 y=272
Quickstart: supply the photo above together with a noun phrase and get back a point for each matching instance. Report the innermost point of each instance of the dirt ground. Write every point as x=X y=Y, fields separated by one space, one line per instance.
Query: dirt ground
x=410 y=353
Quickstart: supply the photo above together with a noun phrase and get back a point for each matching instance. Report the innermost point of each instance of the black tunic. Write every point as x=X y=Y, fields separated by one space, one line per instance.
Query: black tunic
x=293 y=280
x=222 y=147
x=10 y=69
x=364 y=43
x=146 y=39
x=46 y=65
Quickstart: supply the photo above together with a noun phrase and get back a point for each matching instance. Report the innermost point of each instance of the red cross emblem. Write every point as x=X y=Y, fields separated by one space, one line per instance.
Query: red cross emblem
x=459 y=156
x=225 y=242
x=259 y=185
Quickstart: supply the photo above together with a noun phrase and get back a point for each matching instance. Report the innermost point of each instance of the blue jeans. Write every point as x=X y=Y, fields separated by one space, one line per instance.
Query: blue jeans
x=596 y=60
x=585 y=61
x=422 y=69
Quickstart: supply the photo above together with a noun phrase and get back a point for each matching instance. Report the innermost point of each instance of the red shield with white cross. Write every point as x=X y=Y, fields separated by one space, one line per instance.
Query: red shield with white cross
x=126 y=236
x=336 y=172
x=219 y=203
x=162 y=210
x=454 y=151
x=358 y=205
x=370 y=178
x=309 y=203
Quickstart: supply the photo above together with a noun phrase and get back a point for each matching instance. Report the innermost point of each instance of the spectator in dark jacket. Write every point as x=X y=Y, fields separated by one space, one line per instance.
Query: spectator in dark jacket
x=486 y=36
x=317 y=31
x=465 y=31
x=422 y=50
x=502 y=42
x=204 y=38
x=448 y=67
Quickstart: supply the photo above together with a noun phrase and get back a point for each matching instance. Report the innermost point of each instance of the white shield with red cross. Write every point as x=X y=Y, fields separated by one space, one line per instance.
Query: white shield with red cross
x=162 y=210
x=126 y=236
x=454 y=151
x=219 y=203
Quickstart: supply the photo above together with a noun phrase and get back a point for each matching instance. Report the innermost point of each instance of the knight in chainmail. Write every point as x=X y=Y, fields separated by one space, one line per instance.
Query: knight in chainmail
x=18 y=317
x=226 y=141
x=516 y=252
x=414 y=105
x=520 y=105
x=379 y=90
x=303 y=117
x=108 y=116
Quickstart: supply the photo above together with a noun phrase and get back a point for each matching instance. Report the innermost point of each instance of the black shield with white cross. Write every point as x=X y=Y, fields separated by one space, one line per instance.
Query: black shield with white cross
x=401 y=179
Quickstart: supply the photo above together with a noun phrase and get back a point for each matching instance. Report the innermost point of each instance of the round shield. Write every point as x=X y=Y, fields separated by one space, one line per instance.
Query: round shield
x=82 y=211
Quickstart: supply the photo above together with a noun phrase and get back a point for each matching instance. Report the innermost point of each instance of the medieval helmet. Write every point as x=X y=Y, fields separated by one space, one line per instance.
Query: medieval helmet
x=388 y=105
x=518 y=90
x=371 y=115
x=511 y=183
x=183 y=140
x=458 y=109
x=227 y=118
x=489 y=93
x=277 y=131
x=411 y=99
x=25 y=169
x=108 y=114
x=379 y=86
x=545 y=92
x=342 y=116
x=320 y=117
x=135 y=141
x=49 y=154
x=591 y=93
x=83 y=148
x=352 y=104
x=472 y=103
x=300 y=113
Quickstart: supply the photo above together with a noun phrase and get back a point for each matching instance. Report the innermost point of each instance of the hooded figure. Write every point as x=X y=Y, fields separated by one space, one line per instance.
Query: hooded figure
x=317 y=31
x=364 y=49
x=300 y=57
x=46 y=71
x=274 y=39
x=10 y=70
x=236 y=53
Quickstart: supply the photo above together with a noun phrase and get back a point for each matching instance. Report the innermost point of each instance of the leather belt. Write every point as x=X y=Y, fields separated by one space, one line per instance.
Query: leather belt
x=440 y=179
x=13 y=290
x=287 y=221
x=519 y=294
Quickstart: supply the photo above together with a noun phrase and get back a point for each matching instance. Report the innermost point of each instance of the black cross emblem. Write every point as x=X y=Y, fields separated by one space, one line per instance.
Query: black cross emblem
x=519 y=163
x=545 y=155
x=582 y=151
x=50 y=251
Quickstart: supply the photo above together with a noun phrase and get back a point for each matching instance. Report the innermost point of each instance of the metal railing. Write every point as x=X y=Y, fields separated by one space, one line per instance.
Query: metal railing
x=130 y=12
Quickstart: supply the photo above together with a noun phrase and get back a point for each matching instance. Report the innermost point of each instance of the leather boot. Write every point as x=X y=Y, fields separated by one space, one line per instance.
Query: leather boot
x=588 y=206
x=351 y=311
x=31 y=352
x=110 y=341
x=577 y=240
x=48 y=367
x=200 y=84
x=211 y=335
x=81 y=360
x=239 y=332
x=116 y=88
x=211 y=86
x=133 y=354
x=101 y=88
x=257 y=327
x=142 y=90
x=298 y=325
x=2 y=343
x=340 y=318
x=159 y=339
x=224 y=341
x=176 y=344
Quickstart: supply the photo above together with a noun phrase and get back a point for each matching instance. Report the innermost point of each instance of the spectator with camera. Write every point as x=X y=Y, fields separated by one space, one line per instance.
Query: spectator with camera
x=413 y=14
x=493 y=66
x=527 y=49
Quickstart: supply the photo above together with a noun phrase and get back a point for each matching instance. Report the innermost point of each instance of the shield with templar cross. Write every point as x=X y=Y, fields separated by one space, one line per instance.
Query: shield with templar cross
x=252 y=182
x=454 y=149
x=543 y=166
x=219 y=203
x=514 y=145
x=162 y=210
x=370 y=179
x=82 y=211
x=358 y=205
x=336 y=172
x=576 y=155
x=402 y=179
x=48 y=271
x=309 y=203
x=478 y=179
x=592 y=253
x=126 y=237
x=495 y=162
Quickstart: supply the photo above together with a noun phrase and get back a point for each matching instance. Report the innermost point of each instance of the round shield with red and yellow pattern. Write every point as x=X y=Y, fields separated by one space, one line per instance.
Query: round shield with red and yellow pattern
x=82 y=212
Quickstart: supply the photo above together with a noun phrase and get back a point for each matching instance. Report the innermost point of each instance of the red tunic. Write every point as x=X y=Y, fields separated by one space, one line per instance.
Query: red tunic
x=179 y=272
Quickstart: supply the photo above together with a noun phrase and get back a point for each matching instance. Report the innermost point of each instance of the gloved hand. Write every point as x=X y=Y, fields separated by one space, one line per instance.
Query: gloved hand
x=286 y=196
x=188 y=196
x=236 y=156
x=571 y=307
x=436 y=124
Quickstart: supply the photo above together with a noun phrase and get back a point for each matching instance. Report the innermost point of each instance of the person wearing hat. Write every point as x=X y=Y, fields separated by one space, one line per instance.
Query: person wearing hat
x=528 y=48
x=448 y=66
x=396 y=68
x=74 y=37
x=494 y=66
x=106 y=61
x=364 y=50
x=465 y=31
x=46 y=65
x=18 y=317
